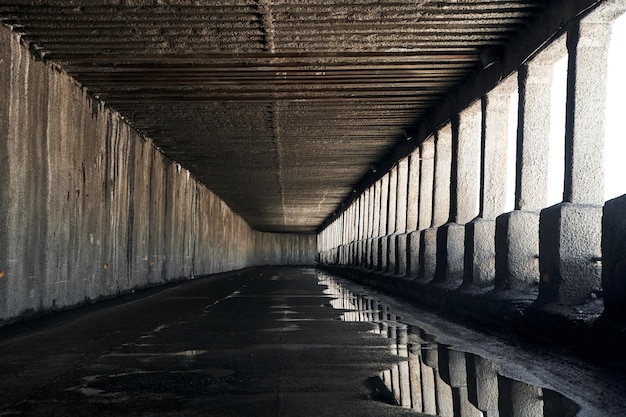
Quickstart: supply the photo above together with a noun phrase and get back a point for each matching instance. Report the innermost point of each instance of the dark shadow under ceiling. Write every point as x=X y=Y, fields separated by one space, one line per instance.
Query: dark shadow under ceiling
x=280 y=107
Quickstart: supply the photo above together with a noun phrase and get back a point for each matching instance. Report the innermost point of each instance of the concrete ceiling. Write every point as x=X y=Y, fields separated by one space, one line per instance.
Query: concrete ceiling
x=281 y=107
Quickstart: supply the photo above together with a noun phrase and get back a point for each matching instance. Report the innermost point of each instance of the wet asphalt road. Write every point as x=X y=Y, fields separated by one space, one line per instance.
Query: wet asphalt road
x=268 y=342
x=259 y=342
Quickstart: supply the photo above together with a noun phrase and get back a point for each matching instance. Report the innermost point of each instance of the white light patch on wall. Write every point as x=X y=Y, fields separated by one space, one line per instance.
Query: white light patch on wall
x=615 y=138
x=511 y=153
x=556 y=154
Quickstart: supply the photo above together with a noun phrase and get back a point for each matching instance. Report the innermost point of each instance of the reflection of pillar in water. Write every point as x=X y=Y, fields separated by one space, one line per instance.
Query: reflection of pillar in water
x=482 y=383
x=518 y=399
x=403 y=367
x=395 y=383
x=415 y=377
x=526 y=399
x=428 y=389
x=443 y=391
x=453 y=371
x=387 y=379
x=405 y=384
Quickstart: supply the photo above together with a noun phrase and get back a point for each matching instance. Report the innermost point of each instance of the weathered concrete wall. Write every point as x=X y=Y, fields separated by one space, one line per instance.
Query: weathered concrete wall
x=90 y=208
x=284 y=249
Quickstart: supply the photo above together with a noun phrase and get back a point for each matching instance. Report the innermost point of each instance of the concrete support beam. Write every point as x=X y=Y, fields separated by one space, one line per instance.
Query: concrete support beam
x=426 y=182
x=412 y=254
x=377 y=208
x=392 y=214
x=413 y=190
x=614 y=258
x=400 y=254
x=402 y=247
x=392 y=251
x=517 y=237
x=442 y=176
x=384 y=205
x=517 y=249
x=570 y=232
x=464 y=195
x=420 y=256
x=480 y=250
x=440 y=203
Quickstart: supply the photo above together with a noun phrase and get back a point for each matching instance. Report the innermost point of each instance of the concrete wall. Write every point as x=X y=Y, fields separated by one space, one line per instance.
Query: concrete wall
x=90 y=208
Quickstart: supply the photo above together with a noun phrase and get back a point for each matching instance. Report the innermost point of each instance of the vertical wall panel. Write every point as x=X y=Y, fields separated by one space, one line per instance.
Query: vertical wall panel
x=89 y=208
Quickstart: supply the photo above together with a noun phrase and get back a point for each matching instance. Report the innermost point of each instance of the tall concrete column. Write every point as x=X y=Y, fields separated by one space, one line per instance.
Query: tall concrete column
x=440 y=202
x=419 y=255
x=517 y=232
x=614 y=259
x=383 y=250
x=370 y=228
x=413 y=236
x=365 y=206
x=392 y=209
x=464 y=195
x=480 y=250
x=401 y=218
x=413 y=189
x=376 y=226
x=570 y=232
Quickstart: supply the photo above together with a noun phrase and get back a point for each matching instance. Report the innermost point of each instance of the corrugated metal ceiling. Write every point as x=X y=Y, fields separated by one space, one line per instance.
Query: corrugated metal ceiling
x=280 y=107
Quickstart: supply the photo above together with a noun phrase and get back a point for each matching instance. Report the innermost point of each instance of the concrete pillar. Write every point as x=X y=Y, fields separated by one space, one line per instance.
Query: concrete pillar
x=480 y=250
x=464 y=195
x=383 y=250
x=392 y=204
x=392 y=214
x=614 y=258
x=417 y=253
x=401 y=218
x=363 y=228
x=517 y=232
x=570 y=232
x=412 y=236
x=440 y=202
x=413 y=189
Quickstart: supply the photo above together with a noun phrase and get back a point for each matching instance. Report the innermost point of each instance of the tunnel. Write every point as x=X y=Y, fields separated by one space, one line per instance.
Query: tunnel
x=461 y=158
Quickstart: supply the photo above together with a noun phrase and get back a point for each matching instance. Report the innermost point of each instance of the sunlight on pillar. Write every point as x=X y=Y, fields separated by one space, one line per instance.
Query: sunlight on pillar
x=556 y=155
x=615 y=140
x=511 y=153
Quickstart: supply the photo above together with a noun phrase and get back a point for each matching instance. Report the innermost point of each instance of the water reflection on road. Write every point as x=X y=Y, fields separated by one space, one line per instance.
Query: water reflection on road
x=436 y=379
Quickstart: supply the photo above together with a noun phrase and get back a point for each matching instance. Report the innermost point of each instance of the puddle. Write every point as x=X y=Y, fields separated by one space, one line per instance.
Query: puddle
x=185 y=353
x=436 y=379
